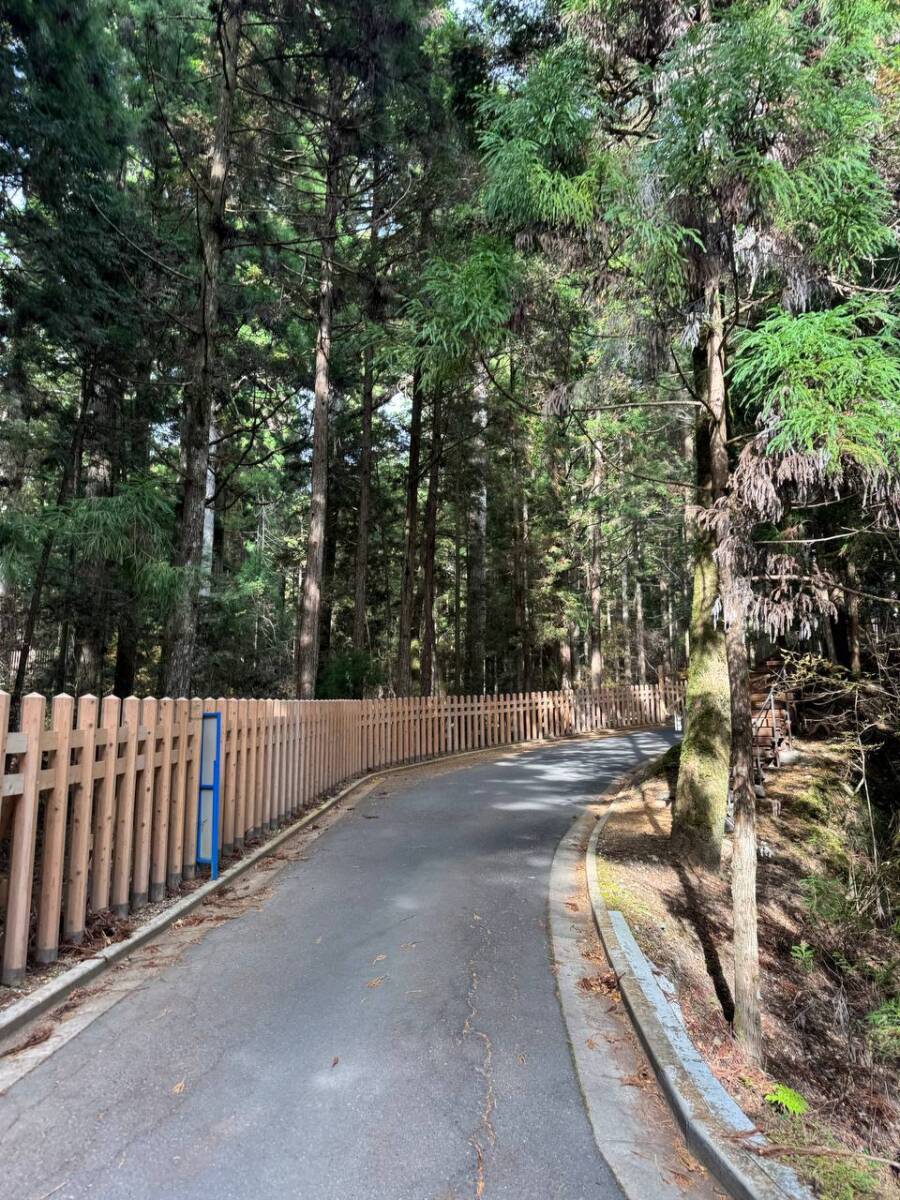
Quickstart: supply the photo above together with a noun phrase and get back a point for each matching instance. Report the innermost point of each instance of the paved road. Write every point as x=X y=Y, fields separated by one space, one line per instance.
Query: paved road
x=413 y=950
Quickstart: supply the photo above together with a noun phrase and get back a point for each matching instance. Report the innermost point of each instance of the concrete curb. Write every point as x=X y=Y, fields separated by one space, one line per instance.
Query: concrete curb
x=617 y=1112
x=55 y=990
x=715 y=1128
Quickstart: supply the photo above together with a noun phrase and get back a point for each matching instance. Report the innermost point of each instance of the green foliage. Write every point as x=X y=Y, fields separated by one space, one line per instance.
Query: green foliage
x=804 y=955
x=839 y=1176
x=842 y=962
x=786 y=1100
x=723 y=87
x=839 y=209
x=348 y=675
x=541 y=160
x=884 y=1028
x=828 y=383
x=826 y=899
x=59 y=109
x=465 y=304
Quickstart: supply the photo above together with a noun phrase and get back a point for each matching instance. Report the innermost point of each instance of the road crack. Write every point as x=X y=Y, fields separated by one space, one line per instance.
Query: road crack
x=485 y=1135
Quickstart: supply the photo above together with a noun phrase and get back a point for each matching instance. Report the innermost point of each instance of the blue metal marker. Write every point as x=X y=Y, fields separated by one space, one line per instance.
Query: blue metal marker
x=208 y=804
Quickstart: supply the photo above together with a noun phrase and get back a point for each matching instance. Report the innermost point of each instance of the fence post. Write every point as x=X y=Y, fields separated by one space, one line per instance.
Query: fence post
x=24 y=837
x=143 y=823
x=82 y=809
x=160 y=833
x=298 y=758
x=282 y=761
x=304 y=754
x=240 y=819
x=256 y=766
x=55 y=817
x=101 y=850
x=192 y=797
x=121 y=881
x=177 y=798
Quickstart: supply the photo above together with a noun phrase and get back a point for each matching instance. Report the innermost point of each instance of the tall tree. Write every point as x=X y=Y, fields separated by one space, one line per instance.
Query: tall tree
x=181 y=630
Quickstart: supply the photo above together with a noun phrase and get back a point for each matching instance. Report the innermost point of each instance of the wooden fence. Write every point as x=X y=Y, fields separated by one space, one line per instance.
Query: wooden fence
x=99 y=799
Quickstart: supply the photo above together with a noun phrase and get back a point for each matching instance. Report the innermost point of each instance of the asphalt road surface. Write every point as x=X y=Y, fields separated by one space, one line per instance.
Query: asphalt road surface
x=384 y=1027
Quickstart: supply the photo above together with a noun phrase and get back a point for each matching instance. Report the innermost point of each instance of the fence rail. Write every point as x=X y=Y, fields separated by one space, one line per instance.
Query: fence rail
x=99 y=799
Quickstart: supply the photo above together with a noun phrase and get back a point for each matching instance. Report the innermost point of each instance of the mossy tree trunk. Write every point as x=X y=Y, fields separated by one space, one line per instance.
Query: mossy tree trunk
x=701 y=794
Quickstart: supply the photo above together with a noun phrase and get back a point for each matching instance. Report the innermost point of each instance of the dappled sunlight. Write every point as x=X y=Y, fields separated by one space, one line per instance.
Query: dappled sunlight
x=528 y=805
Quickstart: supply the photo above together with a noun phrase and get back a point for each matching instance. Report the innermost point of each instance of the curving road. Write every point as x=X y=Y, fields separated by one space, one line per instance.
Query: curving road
x=384 y=1027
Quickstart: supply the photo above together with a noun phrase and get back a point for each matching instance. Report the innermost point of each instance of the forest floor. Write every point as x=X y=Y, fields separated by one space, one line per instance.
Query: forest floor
x=824 y=968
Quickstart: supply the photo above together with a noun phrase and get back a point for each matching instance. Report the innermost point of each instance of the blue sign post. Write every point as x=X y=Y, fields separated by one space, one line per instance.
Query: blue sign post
x=208 y=806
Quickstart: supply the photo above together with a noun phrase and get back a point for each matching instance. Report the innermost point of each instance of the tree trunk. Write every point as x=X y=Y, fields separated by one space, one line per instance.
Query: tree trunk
x=476 y=594
x=701 y=794
x=595 y=571
x=362 y=525
x=361 y=569
x=626 y=626
x=665 y=603
x=209 y=515
x=457 y=589
x=853 y=619
x=520 y=584
x=126 y=652
x=575 y=643
x=427 y=669
x=181 y=632
x=95 y=574
x=311 y=600
x=329 y=558
x=639 y=632
x=408 y=586
x=747 y=1020
x=609 y=641
x=565 y=662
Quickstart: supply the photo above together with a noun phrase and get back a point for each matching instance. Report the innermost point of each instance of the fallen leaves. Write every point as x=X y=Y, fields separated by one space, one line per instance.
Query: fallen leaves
x=640 y=1079
x=203 y=919
x=376 y=982
x=378 y=958
x=74 y=999
x=41 y=1034
x=599 y=985
x=334 y=1062
x=179 y=1087
x=407 y=945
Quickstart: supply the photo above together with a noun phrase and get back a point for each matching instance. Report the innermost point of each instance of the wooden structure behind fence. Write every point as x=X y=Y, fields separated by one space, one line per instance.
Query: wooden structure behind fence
x=99 y=799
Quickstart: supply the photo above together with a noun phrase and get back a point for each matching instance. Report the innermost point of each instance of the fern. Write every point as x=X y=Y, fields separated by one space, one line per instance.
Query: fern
x=787 y=1100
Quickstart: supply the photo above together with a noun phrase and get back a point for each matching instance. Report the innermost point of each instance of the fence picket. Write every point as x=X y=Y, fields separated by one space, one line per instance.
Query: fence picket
x=160 y=832
x=55 y=818
x=24 y=830
x=104 y=815
x=82 y=811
